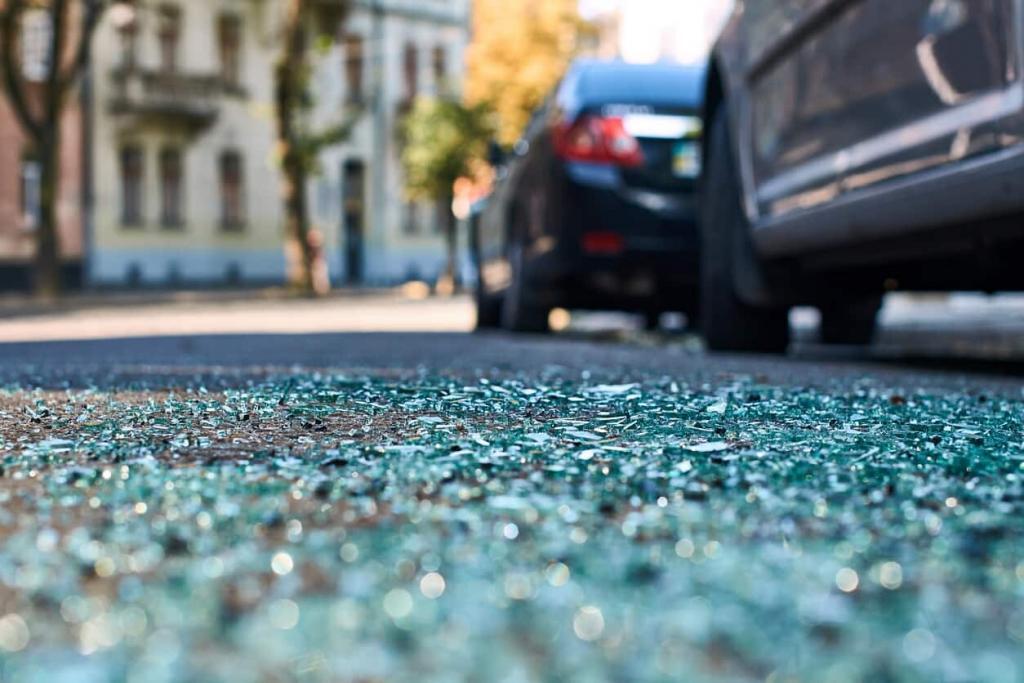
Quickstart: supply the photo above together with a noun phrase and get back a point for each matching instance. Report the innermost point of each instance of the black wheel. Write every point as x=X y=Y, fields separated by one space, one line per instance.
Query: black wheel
x=729 y=323
x=850 y=323
x=488 y=309
x=520 y=311
x=652 y=321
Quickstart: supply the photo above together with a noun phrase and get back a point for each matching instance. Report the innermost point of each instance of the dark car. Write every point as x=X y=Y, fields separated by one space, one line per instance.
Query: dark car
x=855 y=148
x=596 y=209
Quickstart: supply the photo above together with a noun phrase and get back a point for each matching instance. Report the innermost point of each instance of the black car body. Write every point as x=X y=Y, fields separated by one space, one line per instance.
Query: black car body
x=855 y=147
x=596 y=208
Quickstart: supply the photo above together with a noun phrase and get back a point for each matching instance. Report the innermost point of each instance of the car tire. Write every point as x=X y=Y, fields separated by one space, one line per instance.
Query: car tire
x=520 y=311
x=728 y=323
x=488 y=309
x=850 y=323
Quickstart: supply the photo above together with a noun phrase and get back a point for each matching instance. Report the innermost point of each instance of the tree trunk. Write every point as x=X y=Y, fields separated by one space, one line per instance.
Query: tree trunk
x=289 y=76
x=452 y=244
x=40 y=113
x=47 y=256
x=299 y=248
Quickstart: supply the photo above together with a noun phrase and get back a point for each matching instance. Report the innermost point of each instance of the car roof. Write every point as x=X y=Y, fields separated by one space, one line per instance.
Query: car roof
x=595 y=82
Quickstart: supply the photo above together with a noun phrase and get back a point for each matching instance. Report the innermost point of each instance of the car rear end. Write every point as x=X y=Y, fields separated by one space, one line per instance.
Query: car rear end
x=625 y=146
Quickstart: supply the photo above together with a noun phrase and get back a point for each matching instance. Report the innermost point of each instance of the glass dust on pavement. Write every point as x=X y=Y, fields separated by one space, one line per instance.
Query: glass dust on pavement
x=347 y=529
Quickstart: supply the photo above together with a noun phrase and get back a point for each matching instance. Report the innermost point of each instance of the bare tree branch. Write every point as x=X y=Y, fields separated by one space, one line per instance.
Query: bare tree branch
x=93 y=13
x=58 y=23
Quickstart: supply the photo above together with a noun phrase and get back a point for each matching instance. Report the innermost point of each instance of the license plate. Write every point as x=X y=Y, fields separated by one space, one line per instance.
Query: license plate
x=686 y=159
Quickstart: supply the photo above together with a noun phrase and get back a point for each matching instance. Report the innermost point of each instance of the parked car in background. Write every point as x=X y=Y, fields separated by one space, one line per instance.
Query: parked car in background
x=854 y=148
x=596 y=207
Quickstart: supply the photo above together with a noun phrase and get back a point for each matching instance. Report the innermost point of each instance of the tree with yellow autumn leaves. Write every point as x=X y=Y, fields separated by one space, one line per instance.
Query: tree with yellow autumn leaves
x=519 y=52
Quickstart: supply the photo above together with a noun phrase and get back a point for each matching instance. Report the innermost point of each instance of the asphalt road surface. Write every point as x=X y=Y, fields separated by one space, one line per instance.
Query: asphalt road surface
x=963 y=341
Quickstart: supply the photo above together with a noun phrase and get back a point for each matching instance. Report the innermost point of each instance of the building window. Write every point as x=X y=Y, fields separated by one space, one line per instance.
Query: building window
x=171 y=195
x=131 y=186
x=232 y=191
x=36 y=35
x=354 y=67
x=126 y=19
x=411 y=69
x=440 y=67
x=229 y=34
x=169 y=35
x=31 y=191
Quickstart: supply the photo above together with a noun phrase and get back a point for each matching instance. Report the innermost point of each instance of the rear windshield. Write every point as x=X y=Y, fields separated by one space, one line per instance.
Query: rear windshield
x=667 y=85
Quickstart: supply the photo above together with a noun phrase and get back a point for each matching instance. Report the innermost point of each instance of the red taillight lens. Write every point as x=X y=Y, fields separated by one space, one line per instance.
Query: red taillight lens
x=598 y=139
x=603 y=243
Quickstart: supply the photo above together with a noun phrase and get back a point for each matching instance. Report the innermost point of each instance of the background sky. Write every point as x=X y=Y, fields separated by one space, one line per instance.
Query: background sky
x=653 y=29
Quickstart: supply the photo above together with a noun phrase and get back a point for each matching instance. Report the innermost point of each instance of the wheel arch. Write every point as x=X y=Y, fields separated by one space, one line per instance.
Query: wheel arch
x=756 y=282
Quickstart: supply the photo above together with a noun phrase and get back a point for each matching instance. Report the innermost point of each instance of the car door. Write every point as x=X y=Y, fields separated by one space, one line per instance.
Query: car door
x=847 y=95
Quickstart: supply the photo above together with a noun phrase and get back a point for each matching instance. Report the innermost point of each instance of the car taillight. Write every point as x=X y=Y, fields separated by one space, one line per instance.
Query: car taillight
x=598 y=139
x=603 y=243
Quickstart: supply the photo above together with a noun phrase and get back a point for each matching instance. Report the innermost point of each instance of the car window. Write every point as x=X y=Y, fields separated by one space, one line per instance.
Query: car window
x=650 y=84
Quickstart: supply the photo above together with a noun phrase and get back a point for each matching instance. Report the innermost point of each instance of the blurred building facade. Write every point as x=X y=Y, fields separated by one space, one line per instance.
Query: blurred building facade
x=182 y=136
x=20 y=195
x=186 y=186
x=390 y=52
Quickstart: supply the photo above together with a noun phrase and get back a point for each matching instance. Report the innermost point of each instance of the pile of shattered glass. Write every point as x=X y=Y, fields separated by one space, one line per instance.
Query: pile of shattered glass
x=358 y=529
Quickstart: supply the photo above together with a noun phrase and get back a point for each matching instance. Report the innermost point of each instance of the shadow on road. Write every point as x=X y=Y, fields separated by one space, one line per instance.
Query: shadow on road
x=230 y=360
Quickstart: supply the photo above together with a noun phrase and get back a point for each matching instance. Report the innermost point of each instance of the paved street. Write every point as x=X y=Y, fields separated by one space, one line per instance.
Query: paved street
x=362 y=490
x=401 y=332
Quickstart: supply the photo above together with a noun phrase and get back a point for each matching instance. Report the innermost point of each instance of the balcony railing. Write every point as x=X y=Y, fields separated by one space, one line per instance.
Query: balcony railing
x=192 y=100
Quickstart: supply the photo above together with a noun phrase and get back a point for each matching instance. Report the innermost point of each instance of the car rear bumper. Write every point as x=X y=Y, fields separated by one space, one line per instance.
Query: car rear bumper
x=632 y=284
x=654 y=266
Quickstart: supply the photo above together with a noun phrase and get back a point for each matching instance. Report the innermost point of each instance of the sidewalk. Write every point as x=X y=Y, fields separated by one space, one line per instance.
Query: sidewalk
x=238 y=312
x=15 y=305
